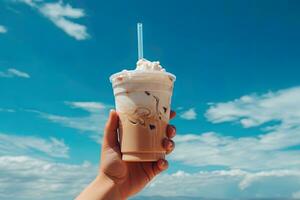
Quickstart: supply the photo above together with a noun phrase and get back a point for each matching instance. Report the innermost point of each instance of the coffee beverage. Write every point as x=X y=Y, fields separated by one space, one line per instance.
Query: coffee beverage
x=143 y=99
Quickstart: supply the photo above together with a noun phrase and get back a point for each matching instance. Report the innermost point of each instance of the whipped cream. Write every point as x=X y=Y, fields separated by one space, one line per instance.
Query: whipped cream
x=144 y=68
x=146 y=65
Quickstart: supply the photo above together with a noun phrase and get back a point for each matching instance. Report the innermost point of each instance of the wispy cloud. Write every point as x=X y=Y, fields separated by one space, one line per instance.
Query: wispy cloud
x=3 y=29
x=296 y=195
x=250 y=178
x=268 y=157
x=61 y=14
x=248 y=153
x=231 y=184
x=11 y=73
x=29 y=169
x=91 y=123
x=254 y=110
x=27 y=178
x=19 y=145
x=266 y=150
x=189 y=114
x=7 y=110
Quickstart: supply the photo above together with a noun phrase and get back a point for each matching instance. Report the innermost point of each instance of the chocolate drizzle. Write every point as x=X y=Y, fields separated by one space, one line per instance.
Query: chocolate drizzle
x=165 y=109
x=141 y=114
x=156 y=103
x=151 y=126
x=133 y=122
x=159 y=114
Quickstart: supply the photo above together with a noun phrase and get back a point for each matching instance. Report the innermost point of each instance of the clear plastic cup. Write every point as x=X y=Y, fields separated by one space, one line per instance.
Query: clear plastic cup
x=143 y=103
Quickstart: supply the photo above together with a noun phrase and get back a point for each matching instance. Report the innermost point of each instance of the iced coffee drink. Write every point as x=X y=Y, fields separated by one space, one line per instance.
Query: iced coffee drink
x=143 y=99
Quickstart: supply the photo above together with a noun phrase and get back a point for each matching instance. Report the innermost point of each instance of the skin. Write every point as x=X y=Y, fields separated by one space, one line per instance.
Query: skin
x=118 y=179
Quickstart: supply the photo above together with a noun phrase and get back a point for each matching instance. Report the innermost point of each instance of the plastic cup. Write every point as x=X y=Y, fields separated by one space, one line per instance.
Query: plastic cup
x=143 y=102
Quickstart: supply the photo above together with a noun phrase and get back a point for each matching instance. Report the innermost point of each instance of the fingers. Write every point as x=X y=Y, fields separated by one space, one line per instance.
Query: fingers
x=169 y=145
x=110 y=138
x=172 y=114
x=160 y=166
x=171 y=131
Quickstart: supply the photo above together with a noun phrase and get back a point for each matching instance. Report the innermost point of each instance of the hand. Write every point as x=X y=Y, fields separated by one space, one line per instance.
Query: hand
x=129 y=177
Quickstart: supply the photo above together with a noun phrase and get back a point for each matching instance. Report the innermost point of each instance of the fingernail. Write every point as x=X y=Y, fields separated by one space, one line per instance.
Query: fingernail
x=170 y=145
x=173 y=132
x=174 y=128
x=164 y=165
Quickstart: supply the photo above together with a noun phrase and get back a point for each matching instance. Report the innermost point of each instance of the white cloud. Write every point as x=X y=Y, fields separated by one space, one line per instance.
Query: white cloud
x=88 y=106
x=256 y=163
x=11 y=72
x=18 y=145
x=230 y=184
x=18 y=73
x=31 y=3
x=92 y=123
x=296 y=195
x=40 y=175
x=267 y=158
x=248 y=153
x=27 y=178
x=60 y=14
x=3 y=29
x=57 y=10
x=268 y=149
x=198 y=184
x=24 y=178
x=254 y=110
x=7 y=110
x=254 y=177
x=189 y=114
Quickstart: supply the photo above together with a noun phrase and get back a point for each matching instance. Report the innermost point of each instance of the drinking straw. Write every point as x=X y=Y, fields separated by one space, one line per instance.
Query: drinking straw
x=140 y=40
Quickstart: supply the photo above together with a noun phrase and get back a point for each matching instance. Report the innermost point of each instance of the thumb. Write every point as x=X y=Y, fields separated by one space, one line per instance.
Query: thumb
x=110 y=138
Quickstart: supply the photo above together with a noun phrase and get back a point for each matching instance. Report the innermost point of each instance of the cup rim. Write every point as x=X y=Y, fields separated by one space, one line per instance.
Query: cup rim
x=142 y=72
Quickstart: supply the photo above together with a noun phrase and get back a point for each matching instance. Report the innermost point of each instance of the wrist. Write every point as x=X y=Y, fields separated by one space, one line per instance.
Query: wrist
x=110 y=186
x=102 y=188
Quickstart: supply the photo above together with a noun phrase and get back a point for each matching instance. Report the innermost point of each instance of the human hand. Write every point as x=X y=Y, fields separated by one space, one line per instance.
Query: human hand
x=129 y=177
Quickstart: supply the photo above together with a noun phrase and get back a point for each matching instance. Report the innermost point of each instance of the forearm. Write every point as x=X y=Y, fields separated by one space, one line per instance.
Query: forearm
x=102 y=188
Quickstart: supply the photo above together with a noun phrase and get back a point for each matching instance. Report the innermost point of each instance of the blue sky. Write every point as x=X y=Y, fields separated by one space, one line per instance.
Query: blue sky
x=236 y=93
